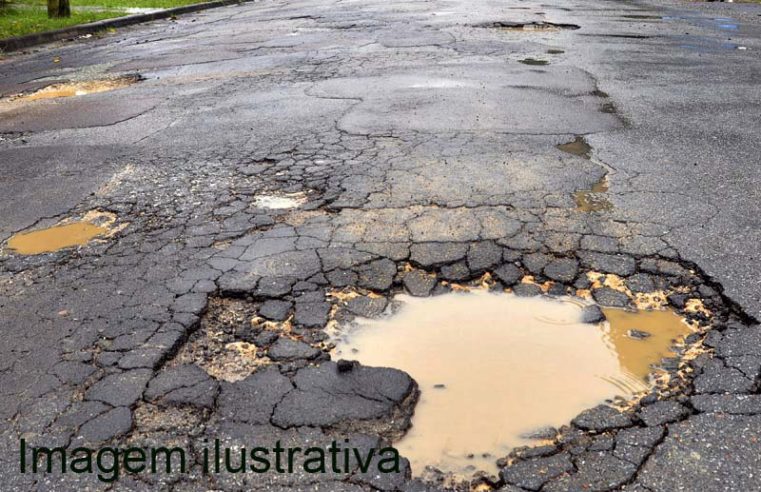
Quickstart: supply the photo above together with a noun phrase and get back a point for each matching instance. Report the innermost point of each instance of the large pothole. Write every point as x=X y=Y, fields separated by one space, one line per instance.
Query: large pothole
x=560 y=371
x=496 y=369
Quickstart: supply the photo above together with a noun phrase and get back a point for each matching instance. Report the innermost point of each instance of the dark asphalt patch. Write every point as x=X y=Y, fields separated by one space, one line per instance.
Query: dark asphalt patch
x=642 y=16
x=533 y=61
x=528 y=26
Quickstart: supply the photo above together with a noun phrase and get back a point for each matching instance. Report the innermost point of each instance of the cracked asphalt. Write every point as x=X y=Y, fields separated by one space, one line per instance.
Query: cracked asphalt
x=421 y=149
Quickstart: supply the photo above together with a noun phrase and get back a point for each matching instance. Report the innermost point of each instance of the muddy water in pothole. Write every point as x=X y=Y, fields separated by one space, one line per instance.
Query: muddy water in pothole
x=577 y=146
x=636 y=337
x=55 y=238
x=493 y=368
x=591 y=200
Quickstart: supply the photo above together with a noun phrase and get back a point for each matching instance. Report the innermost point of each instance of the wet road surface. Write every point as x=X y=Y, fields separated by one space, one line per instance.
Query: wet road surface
x=273 y=155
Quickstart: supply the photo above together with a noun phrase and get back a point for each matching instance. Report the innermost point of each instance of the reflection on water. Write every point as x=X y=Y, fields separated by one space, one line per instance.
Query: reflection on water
x=494 y=367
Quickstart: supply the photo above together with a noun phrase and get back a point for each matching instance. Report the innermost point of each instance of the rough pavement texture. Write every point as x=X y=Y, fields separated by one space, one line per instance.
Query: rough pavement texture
x=417 y=148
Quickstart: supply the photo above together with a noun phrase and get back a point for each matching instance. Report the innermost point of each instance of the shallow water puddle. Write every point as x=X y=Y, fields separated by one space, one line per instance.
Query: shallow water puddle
x=591 y=200
x=637 y=336
x=55 y=238
x=71 y=89
x=493 y=368
x=578 y=146
x=66 y=234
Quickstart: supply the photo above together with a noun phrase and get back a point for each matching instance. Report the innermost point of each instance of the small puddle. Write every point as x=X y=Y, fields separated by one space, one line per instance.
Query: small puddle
x=578 y=147
x=55 y=238
x=533 y=61
x=69 y=234
x=495 y=368
x=71 y=89
x=593 y=200
x=278 y=202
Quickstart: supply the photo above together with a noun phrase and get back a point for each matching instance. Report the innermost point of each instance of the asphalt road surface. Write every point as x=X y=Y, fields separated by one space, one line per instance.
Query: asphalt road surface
x=403 y=139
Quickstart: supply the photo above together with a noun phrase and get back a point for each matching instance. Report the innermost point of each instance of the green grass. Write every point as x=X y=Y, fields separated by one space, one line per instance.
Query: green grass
x=31 y=15
x=143 y=4
x=20 y=21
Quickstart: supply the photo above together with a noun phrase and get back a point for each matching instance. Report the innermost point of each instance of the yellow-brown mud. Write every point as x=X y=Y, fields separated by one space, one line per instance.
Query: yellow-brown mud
x=68 y=233
x=71 y=89
x=492 y=368
x=55 y=238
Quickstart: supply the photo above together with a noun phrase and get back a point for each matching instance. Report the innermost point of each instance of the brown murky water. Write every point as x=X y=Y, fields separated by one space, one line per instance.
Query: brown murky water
x=55 y=238
x=592 y=200
x=578 y=147
x=493 y=368
x=636 y=354
x=71 y=89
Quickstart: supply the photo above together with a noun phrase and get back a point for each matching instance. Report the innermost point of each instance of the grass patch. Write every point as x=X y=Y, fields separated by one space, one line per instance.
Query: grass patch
x=27 y=20
x=20 y=17
x=143 y=4
x=117 y=4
